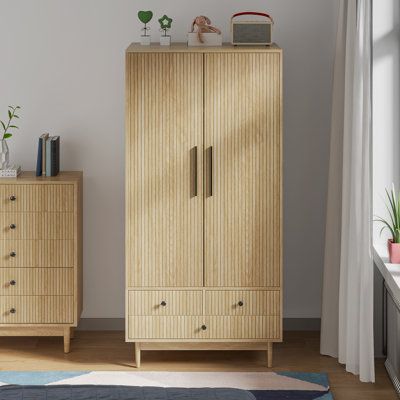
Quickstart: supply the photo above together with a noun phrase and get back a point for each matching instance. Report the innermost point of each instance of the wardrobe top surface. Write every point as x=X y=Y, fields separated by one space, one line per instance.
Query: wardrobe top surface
x=184 y=48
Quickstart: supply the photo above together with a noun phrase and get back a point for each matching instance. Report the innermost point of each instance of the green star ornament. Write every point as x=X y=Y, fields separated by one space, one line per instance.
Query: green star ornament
x=165 y=22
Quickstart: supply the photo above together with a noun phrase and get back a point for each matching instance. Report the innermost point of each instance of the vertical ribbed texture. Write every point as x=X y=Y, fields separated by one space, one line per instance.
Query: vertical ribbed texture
x=37 y=253
x=37 y=225
x=242 y=124
x=181 y=302
x=255 y=302
x=164 y=243
x=36 y=281
x=36 y=309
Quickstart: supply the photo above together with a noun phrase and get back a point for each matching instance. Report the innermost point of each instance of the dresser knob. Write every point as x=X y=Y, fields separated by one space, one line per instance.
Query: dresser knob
x=203 y=328
x=240 y=304
x=13 y=198
x=13 y=226
x=163 y=303
x=13 y=254
x=13 y=311
x=13 y=283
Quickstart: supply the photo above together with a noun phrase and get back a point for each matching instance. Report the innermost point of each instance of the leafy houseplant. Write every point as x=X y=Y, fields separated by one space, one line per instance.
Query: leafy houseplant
x=393 y=225
x=6 y=134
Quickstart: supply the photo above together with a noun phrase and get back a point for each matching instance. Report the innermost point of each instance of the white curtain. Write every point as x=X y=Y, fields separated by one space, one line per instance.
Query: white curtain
x=347 y=308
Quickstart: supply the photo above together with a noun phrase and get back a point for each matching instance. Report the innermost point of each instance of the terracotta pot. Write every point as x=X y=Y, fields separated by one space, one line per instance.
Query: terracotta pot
x=394 y=252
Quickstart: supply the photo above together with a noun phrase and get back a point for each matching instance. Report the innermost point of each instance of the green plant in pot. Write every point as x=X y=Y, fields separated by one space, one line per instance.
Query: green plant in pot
x=6 y=127
x=393 y=225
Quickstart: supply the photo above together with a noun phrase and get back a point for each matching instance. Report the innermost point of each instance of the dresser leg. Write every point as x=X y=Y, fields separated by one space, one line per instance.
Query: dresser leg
x=269 y=354
x=67 y=339
x=137 y=354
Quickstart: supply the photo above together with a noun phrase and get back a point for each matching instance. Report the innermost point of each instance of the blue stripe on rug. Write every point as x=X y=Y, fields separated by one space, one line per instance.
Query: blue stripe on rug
x=290 y=395
x=37 y=377
x=319 y=379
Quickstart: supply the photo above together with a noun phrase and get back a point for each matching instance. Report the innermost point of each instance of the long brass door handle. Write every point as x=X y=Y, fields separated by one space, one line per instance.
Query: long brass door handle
x=209 y=172
x=193 y=172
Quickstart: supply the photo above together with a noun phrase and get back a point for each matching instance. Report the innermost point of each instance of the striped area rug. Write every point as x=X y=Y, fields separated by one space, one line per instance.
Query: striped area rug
x=263 y=385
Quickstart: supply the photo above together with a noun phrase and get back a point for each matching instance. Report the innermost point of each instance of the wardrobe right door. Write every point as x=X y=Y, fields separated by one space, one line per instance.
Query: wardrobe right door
x=243 y=150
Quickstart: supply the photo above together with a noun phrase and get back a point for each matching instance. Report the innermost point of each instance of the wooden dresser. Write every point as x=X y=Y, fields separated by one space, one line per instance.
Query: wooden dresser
x=41 y=255
x=203 y=198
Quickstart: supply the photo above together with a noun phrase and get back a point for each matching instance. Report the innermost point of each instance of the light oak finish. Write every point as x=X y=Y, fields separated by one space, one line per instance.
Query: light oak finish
x=164 y=123
x=47 y=253
x=203 y=196
x=41 y=255
x=107 y=351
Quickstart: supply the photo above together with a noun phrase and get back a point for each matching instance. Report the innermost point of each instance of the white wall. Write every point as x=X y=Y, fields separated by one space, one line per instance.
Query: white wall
x=63 y=62
x=386 y=105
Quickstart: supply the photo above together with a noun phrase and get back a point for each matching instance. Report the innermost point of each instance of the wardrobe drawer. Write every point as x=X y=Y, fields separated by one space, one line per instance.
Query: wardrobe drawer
x=243 y=327
x=166 y=327
x=36 y=253
x=242 y=302
x=36 y=309
x=36 y=281
x=36 y=225
x=165 y=302
x=36 y=198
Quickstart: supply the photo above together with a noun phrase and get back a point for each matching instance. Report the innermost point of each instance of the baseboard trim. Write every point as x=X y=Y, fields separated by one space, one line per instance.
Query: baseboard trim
x=118 y=324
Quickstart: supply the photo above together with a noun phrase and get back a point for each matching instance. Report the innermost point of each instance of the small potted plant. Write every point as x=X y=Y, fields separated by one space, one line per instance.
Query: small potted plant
x=393 y=225
x=165 y=24
x=145 y=17
x=5 y=134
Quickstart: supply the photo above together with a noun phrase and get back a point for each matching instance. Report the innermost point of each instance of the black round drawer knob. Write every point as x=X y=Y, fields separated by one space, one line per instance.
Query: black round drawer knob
x=13 y=226
x=13 y=283
x=13 y=198
x=163 y=303
x=13 y=311
x=13 y=254
x=240 y=304
x=203 y=328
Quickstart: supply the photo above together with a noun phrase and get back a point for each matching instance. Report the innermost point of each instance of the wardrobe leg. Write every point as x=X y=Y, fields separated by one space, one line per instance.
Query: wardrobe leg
x=269 y=354
x=67 y=339
x=137 y=354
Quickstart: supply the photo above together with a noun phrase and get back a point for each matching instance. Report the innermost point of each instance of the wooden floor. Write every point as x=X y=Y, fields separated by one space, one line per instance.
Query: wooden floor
x=108 y=351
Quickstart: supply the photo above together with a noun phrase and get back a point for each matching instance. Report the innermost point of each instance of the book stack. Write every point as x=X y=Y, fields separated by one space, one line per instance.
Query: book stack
x=11 y=172
x=48 y=159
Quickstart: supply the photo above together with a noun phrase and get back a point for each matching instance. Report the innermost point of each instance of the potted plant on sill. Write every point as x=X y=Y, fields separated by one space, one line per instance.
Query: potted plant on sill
x=5 y=134
x=393 y=225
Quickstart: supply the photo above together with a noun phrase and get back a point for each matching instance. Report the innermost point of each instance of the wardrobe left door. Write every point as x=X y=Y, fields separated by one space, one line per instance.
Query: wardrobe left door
x=164 y=163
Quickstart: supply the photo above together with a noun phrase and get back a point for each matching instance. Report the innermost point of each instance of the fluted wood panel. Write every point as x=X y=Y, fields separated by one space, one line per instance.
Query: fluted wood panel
x=37 y=253
x=164 y=125
x=36 y=309
x=165 y=327
x=255 y=302
x=39 y=225
x=36 y=198
x=36 y=281
x=243 y=327
x=243 y=127
x=177 y=302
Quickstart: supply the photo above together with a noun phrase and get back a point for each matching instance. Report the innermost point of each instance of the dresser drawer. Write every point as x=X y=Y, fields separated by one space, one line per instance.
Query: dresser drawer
x=36 y=281
x=36 y=253
x=165 y=327
x=36 y=225
x=243 y=327
x=165 y=302
x=36 y=309
x=21 y=198
x=242 y=302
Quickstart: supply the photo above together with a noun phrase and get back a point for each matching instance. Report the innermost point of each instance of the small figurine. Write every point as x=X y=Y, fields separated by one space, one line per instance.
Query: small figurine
x=145 y=17
x=202 y=24
x=165 y=24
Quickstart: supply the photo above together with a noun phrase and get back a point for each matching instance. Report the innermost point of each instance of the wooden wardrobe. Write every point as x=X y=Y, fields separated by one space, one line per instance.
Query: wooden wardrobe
x=203 y=198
